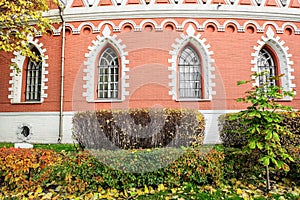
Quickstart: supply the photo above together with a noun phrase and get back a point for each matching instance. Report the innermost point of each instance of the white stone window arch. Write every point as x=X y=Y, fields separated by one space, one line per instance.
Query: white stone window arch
x=191 y=39
x=283 y=60
x=18 y=83
x=92 y=65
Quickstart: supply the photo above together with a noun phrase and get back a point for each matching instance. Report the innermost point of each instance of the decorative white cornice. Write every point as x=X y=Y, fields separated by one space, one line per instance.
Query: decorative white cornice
x=256 y=3
x=176 y=10
x=241 y=27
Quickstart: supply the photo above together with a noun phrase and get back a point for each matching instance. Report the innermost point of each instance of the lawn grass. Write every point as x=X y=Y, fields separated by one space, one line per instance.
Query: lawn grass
x=6 y=144
x=54 y=147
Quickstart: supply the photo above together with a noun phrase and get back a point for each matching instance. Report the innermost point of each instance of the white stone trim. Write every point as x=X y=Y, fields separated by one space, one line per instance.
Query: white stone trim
x=241 y=27
x=95 y=3
x=284 y=58
x=16 y=78
x=92 y=59
x=171 y=10
x=207 y=63
x=91 y=25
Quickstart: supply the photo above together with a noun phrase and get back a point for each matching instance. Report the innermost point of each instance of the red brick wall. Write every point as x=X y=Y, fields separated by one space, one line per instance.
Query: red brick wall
x=148 y=54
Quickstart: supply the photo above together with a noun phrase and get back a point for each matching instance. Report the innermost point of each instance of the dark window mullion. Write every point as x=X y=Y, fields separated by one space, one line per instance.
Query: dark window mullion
x=108 y=75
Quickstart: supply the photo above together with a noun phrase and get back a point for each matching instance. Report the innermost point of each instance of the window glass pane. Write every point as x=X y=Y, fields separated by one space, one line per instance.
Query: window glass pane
x=189 y=74
x=265 y=63
x=33 y=79
x=108 y=74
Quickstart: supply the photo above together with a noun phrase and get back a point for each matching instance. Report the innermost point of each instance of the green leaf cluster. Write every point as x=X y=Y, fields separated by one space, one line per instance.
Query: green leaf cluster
x=263 y=124
x=44 y=171
x=20 y=19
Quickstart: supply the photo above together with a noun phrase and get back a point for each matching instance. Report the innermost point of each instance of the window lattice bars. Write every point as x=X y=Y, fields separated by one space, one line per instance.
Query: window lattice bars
x=108 y=75
x=33 y=81
x=266 y=64
x=189 y=74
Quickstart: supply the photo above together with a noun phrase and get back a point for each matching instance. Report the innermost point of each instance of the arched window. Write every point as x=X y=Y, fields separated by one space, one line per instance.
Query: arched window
x=108 y=75
x=266 y=64
x=33 y=78
x=189 y=69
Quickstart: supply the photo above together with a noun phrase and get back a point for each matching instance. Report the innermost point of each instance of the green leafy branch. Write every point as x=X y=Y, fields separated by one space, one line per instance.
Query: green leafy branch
x=264 y=123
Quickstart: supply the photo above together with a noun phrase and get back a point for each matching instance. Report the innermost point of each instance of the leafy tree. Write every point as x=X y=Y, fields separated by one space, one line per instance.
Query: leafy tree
x=18 y=19
x=264 y=123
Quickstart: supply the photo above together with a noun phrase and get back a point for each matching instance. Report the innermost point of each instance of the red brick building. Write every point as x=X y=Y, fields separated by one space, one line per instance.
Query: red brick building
x=148 y=53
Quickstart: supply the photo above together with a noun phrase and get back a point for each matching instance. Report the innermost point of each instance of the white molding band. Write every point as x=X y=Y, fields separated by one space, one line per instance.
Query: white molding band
x=179 y=27
x=91 y=61
x=193 y=11
x=254 y=3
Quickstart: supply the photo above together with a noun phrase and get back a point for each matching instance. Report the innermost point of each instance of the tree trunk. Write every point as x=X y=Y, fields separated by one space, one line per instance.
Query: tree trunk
x=268 y=179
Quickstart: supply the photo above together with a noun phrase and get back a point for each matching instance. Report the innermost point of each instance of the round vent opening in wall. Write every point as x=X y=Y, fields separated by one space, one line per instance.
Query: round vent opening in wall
x=24 y=132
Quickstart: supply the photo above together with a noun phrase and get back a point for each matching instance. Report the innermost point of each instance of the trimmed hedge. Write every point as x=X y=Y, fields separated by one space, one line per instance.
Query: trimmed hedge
x=20 y=167
x=34 y=173
x=243 y=165
x=30 y=170
x=138 y=128
x=231 y=131
x=83 y=172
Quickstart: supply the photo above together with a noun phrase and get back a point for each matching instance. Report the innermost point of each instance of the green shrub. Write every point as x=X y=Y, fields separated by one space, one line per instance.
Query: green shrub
x=83 y=172
x=242 y=165
x=231 y=131
x=292 y=122
x=19 y=167
x=138 y=128
x=198 y=166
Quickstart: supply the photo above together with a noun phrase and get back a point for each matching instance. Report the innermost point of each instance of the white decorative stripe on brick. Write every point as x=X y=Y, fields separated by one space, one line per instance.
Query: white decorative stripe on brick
x=192 y=37
x=93 y=55
x=240 y=27
x=261 y=3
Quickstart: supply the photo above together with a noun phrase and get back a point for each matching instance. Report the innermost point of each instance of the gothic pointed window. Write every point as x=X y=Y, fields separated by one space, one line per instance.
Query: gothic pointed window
x=266 y=65
x=189 y=68
x=108 y=75
x=33 y=78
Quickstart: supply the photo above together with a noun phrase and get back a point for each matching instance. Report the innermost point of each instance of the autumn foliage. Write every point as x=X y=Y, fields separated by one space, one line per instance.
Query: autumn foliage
x=20 y=19
x=20 y=167
x=138 y=128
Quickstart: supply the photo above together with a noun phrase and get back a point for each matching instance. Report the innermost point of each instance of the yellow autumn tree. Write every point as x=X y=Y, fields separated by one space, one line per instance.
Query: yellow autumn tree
x=18 y=19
